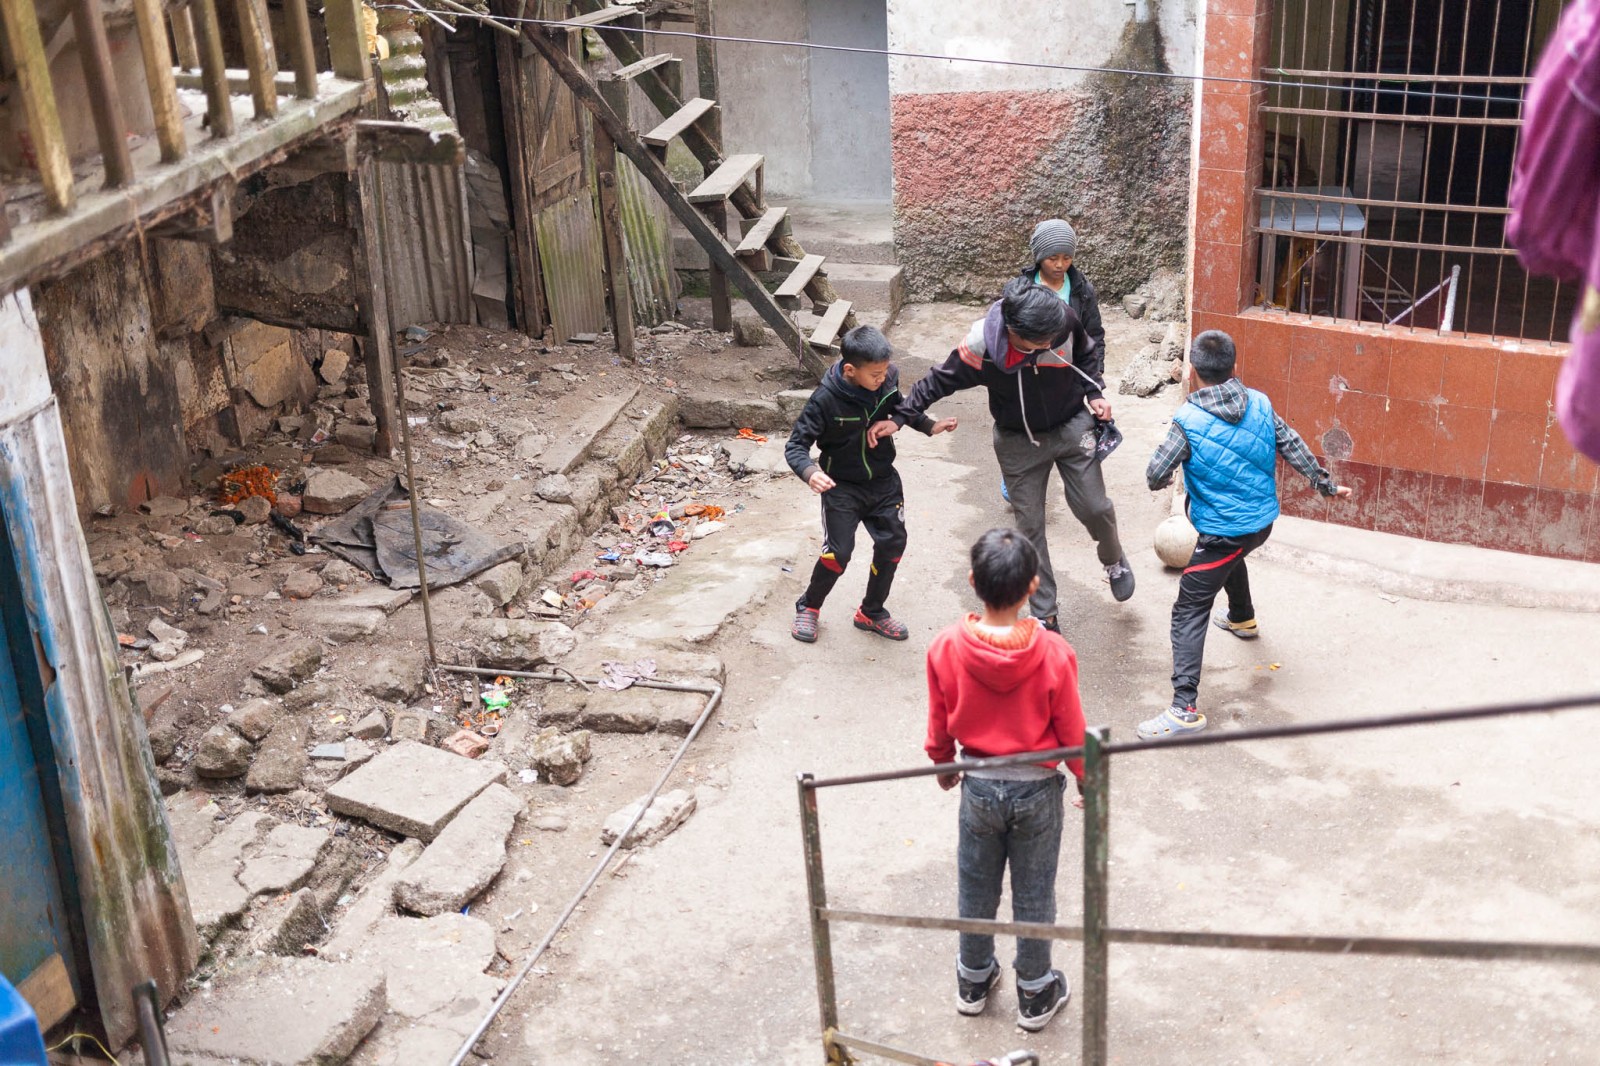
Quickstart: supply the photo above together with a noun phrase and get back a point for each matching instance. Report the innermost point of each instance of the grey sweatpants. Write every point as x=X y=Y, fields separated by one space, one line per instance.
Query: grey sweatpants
x=1069 y=448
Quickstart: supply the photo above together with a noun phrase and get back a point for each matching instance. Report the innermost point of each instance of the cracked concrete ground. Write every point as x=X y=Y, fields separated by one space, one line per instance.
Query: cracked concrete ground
x=701 y=954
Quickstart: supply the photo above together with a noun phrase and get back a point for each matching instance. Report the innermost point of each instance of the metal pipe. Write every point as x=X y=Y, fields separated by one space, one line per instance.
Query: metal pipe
x=991 y=926
x=713 y=693
x=1096 y=893
x=817 y=897
x=842 y=1041
x=1366 y=945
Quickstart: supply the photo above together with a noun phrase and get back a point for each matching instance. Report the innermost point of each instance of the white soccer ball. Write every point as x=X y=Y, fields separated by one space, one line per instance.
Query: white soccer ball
x=1175 y=541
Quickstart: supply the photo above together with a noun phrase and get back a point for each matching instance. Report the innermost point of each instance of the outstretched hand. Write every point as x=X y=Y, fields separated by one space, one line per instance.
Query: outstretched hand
x=944 y=425
x=879 y=430
x=1342 y=492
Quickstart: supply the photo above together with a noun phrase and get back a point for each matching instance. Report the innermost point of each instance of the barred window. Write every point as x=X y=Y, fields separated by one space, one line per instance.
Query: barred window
x=1388 y=142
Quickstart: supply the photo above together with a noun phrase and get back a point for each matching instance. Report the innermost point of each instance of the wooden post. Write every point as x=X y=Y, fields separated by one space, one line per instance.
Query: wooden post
x=158 y=75
x=347 y=40
x=259 y=57
x=619 y=293
x=705 y=61
x=301 y=55
x=383 y=390
x=527 y=298
x=94 y=53
x=213 y=69
x=721 y=307
x=39 y=98
x=183 y=37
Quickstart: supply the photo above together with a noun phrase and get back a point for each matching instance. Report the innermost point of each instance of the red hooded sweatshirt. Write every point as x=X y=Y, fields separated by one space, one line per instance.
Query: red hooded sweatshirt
x=996 y=700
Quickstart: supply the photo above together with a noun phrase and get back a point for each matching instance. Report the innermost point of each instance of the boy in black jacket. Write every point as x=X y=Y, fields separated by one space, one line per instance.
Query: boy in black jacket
x=856 y=480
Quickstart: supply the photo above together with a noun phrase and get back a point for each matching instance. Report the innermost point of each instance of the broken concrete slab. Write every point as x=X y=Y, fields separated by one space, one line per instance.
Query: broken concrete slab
x=287 y=668
x=465 y=857
x=286 y=926
x=382 y=598
x=255 y=718
x=283 y=859
x=332 y=492
x=413 y=789
x=211 y=870
x=343 y=625
x=553 y=488
x=644 y=710
x=312 y=696
x=166 y=634
x=718 y=411
x=563 y=705
x=792 y=401
x=767 y=459
x=465 y=743
x=281 y=762
x=409 y=724
x=301 y=585
x=578 y=418
x=283 y=1012
x=222 y=754
x=433 y=968
x=519 y=643
x=738 y=452
x=500 y=583
x=372 y=727
x=374 y=903
x=668 y=812
x=560 y=757
x=391 y=677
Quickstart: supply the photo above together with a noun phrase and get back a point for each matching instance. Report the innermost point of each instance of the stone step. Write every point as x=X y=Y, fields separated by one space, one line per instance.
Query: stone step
x=869 y=285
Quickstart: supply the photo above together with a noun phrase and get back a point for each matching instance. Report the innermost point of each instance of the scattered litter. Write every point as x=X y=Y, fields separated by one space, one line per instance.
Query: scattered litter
x=260 y=628
x=127 y=640
x=657 y=559
x=1274 y=666
x=705 y=529
x=553 y=598
x=661 y=525
x=676 y=546
x=620 y=675
x=416 y=333
x=497 y=696
x=609 y=557
x=528 y=776
x=746 y=433
x=235 y=485
x=328 y=751
x=583 y=575
x=188 y=658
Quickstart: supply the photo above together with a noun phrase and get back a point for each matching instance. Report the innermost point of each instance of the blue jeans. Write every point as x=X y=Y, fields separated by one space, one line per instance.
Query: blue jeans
x=1015 y=822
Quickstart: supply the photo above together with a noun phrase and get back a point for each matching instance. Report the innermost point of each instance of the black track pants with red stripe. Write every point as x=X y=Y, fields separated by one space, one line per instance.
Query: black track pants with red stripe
x=880 y=506
x=1216 y=566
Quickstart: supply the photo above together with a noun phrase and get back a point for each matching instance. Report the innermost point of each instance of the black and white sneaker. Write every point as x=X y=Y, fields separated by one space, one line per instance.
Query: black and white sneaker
x=1035 y=1009
x=1120 y=574
x=973 y=996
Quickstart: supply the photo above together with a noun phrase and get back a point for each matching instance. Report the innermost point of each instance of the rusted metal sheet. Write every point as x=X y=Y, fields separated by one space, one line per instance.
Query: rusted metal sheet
x=428 y=280
x=130 y=893
x=647 y=241
x=572 y=262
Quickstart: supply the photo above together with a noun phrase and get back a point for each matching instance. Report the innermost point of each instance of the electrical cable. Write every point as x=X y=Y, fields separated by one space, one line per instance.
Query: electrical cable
x=893 y=53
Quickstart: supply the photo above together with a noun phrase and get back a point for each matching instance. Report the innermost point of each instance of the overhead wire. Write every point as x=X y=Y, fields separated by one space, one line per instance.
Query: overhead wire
x=459 y=11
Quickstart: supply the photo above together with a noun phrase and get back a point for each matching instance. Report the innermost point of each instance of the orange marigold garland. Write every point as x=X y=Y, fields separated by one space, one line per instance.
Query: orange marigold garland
x=261 y=481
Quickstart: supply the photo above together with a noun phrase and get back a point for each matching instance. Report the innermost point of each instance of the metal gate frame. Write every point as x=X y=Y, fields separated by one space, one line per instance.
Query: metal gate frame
x=1095 y=933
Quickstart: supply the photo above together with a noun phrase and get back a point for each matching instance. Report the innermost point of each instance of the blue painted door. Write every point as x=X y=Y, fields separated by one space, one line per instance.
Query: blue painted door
x=32 y=918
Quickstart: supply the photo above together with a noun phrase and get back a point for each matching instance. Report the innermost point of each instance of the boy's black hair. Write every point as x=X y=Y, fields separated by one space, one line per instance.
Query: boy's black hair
x=1212 y=356
x=1004 y=564
x=865 y=344
x=1036 y=313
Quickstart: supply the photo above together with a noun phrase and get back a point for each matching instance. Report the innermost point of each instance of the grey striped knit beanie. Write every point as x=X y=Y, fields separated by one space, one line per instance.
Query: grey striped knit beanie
x=1053 y=236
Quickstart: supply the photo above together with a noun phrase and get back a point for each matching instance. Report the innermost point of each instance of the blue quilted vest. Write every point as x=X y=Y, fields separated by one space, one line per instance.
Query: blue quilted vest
x=1231 y=472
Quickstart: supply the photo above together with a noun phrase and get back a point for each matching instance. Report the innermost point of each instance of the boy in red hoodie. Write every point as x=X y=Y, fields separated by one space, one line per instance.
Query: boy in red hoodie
x=1003 y=685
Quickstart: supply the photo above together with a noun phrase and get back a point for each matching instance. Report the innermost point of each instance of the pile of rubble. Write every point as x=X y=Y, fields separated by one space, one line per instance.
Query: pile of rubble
x=343 y=813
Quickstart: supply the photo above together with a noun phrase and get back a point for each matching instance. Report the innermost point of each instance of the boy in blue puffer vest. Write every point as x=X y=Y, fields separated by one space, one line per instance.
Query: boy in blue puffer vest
x=1227 y=439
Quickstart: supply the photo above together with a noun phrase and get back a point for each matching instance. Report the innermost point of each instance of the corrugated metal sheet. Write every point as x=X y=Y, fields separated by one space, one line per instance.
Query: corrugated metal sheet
x=427 y=244
x=647 y=243
x=133 y=904
x=571 y=260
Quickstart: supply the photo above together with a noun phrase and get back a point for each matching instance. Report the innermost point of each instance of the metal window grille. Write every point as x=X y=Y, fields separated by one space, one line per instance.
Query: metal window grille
x=1388 y=149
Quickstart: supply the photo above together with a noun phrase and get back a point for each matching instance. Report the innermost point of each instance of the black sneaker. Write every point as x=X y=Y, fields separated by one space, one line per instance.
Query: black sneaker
x=1035 y=1009
x=1052 y=623
x=1120 y=574
x=973 y=996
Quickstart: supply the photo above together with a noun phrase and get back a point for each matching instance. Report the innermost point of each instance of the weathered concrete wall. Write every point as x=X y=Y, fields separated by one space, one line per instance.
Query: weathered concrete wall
x=982 y=152
x=766 y=91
